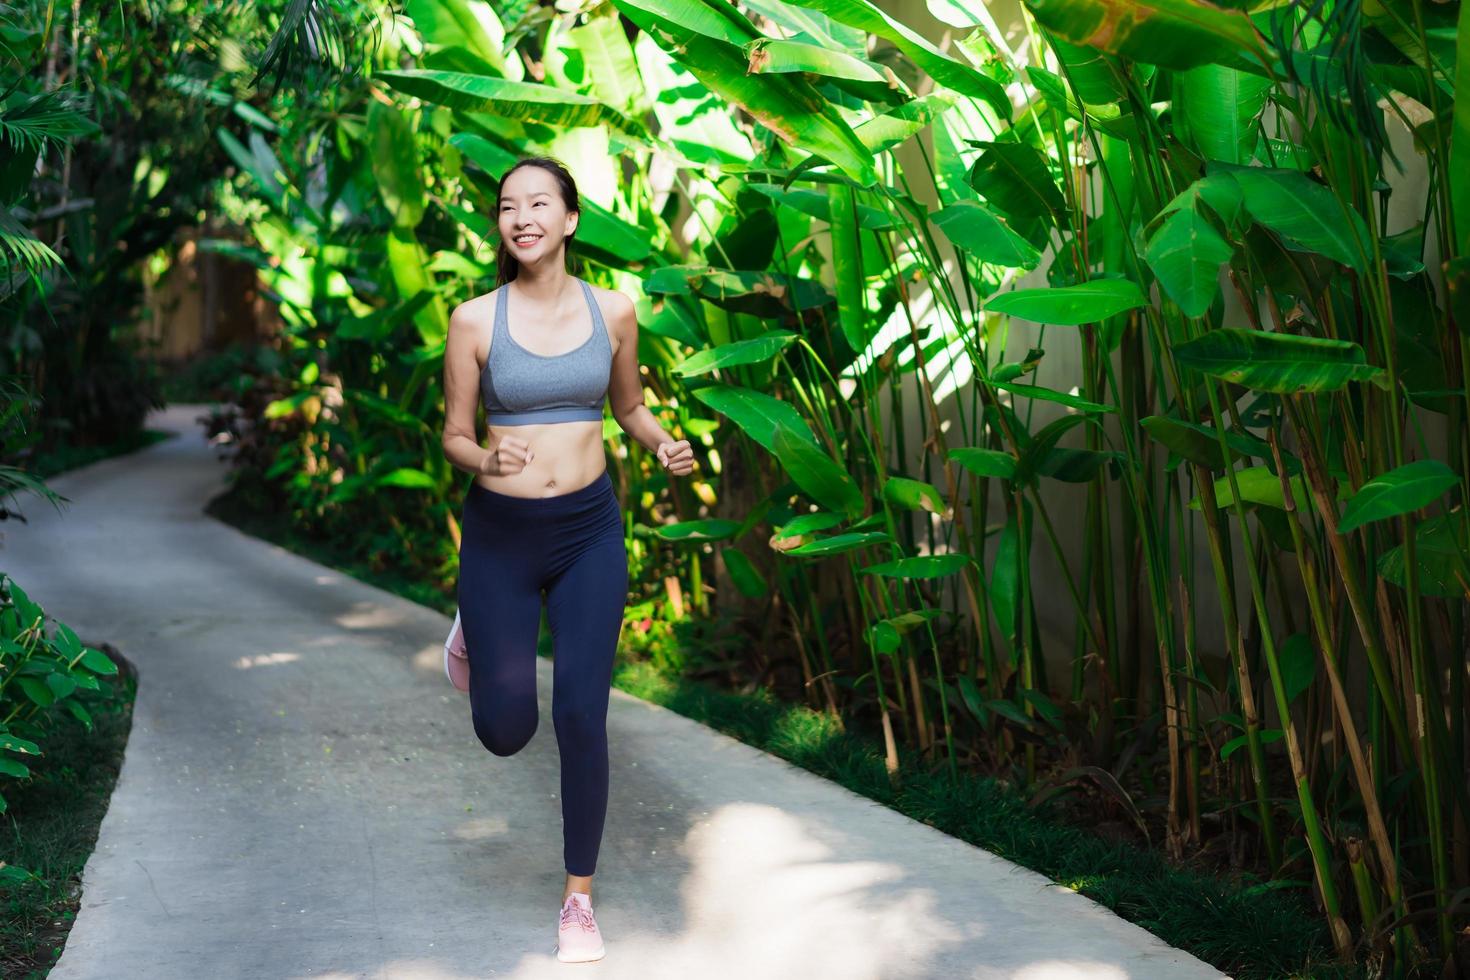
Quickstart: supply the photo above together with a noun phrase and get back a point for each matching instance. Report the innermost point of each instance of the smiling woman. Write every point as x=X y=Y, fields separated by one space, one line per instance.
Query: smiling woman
x=543 y=351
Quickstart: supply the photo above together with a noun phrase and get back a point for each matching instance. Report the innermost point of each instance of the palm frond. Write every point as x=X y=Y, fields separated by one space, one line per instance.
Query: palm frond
x=56 y=116
x=19 y=246
x=335 y=35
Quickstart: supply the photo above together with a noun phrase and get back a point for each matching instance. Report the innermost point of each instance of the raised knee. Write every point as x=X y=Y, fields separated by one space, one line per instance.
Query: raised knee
x=503 y=739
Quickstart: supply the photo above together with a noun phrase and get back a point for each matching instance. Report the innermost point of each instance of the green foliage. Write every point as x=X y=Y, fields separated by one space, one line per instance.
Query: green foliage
x=1194 y=192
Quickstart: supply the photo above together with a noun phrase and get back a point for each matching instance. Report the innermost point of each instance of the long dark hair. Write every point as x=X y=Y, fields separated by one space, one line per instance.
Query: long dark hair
x=507 y=266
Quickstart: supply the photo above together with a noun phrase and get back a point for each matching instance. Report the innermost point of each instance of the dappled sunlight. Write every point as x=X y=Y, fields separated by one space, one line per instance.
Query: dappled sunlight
x=762 y=888
x=265 y=660
x=370 y=617
x=430 y=657
x=481 y=828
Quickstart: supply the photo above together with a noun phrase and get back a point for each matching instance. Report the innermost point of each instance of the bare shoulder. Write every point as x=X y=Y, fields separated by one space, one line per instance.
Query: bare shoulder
x=618 y=311
x=471 y=322
x=473 y=313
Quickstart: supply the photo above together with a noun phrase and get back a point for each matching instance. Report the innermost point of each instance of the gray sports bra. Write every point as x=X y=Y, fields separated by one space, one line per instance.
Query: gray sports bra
x=520 y=387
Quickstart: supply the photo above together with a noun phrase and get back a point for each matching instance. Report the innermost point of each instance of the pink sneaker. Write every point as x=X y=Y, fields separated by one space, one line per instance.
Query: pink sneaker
x=456 y=658
x=577 y=937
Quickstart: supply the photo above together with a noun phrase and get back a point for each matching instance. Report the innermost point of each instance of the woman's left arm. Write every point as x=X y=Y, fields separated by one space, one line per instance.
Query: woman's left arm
x=625 y=393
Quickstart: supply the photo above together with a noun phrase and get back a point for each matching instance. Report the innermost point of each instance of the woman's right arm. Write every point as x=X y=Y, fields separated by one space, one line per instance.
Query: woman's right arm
x=462 y=395
x=507 y=454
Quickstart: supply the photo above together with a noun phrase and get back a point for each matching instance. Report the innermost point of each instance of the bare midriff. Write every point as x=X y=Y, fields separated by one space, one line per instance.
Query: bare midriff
x=567 y=457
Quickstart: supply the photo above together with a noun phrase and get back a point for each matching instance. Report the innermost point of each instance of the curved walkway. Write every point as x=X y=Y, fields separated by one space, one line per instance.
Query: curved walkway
x=303 y=795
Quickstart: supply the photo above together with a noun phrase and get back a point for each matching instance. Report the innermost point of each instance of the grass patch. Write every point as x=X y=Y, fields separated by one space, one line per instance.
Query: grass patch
x=1242 y=929
x=51 y=825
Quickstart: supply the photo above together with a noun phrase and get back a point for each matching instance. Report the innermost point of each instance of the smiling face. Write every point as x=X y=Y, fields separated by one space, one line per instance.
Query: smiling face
x=534 y=220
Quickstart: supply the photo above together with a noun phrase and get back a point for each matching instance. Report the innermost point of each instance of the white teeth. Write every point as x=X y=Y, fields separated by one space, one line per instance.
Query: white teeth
x=527 y=238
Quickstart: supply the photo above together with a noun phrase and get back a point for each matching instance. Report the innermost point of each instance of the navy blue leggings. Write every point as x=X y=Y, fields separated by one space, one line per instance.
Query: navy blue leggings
x=571 y=546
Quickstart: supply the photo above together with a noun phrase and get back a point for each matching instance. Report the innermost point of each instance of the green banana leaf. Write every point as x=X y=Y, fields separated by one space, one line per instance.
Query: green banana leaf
x=394 y=157
x=1178 y=34
x=984 y=462
x=975 y=228
x=528 y=101
x=1086 y=302
x=921 y=566
x=757 y=414
x=957 y=75
x=708 y=42
x=1402 y=490
x=753 y=351
x=1216 y=110
x=1307 y=215
x=1276 y=362
x=820 y=476
x=1443 y=553
x=710 y=529
x=1186 y=253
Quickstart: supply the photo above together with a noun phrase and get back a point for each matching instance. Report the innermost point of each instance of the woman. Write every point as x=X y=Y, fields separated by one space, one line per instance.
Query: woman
x=543 y=350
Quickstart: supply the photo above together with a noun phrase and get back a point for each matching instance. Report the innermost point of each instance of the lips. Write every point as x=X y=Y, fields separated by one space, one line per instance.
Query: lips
x=526 y=244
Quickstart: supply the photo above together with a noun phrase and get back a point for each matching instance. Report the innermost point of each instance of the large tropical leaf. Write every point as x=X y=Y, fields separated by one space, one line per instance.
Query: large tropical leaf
x=708 y=40
x=455 y=23
x=1276 y=362
x=747 y=578
x=1186 y=253
x=753 y=351
x=1177 y=34
x=1085 y=302
x=394 y=157
x=975 y=228
x=839 y=543
x=528 y=101
x=1442 y=550
x=756 y=413
x=921 y=566
x=1057 y=96
x=847 y=266
x=1258 y=485
x=1307 y=215
x=709 y=529
x=1005 y=578
x=903 y=121
x=407 y=264
x=913 y=494
x=1399 y=491
x=1016 y=179
x=1218 y=108
x=947 y=71
x=864 y=79
x=984 y=462
x=612 y=68
x=818 y=475
x=1197 y=443
x=1052 y=395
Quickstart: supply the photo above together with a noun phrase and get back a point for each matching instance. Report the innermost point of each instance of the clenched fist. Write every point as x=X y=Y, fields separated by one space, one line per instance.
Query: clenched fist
x=510 y=454
x=677 y=457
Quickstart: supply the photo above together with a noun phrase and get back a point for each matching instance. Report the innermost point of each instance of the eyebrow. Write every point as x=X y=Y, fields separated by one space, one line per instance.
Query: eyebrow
x=537 y=194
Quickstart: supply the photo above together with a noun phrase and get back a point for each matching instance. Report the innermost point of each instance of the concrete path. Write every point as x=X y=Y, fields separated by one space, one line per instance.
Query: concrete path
x=303 y=796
